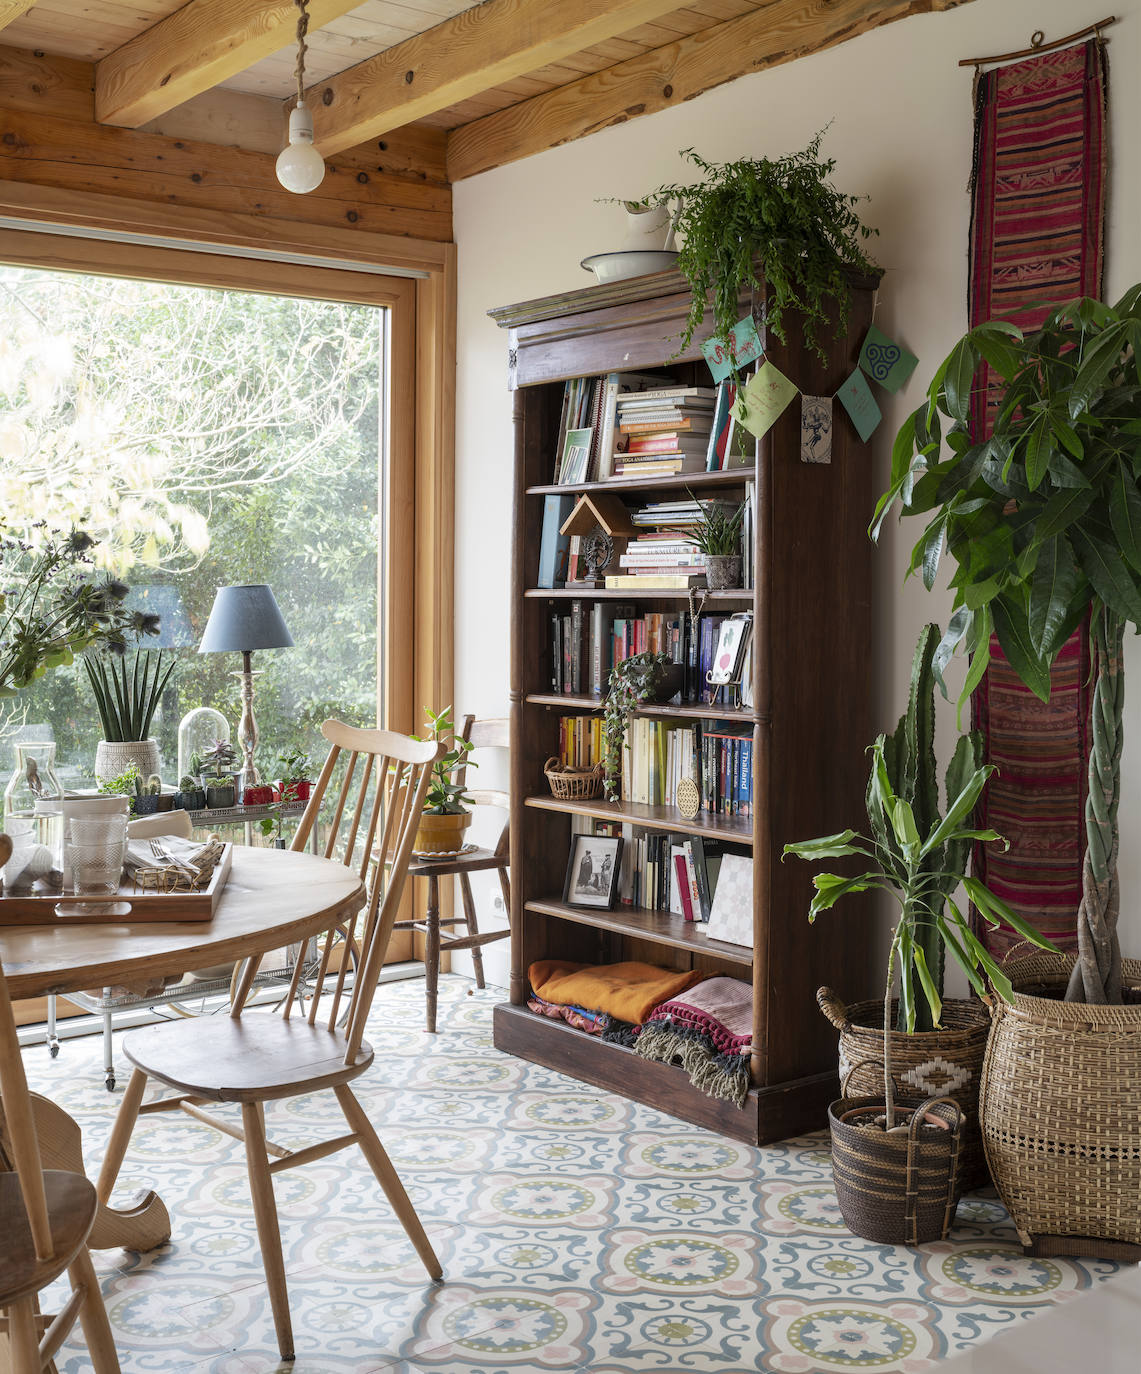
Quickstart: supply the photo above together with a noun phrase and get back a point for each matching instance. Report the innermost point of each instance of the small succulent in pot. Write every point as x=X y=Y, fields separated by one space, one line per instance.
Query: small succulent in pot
x=147 y=795
x=261 y=794
x=219 y=759
x=717 y=537
x=190 y=795
x=295 y=774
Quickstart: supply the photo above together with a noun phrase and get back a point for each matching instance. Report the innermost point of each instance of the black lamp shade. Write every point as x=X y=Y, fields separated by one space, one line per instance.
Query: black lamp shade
x=243 y=619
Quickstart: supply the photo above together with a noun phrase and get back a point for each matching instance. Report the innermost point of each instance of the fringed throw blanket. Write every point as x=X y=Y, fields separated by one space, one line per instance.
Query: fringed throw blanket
x=1037 y=212
x=625 y=992
x=709 y=1032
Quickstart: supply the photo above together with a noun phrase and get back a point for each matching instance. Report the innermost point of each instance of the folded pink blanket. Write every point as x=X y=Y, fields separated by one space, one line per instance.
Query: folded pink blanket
x=721 y=1008
x=708 y=1030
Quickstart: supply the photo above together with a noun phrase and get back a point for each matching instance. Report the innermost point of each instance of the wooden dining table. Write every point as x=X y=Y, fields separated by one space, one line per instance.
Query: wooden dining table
x=273 y=898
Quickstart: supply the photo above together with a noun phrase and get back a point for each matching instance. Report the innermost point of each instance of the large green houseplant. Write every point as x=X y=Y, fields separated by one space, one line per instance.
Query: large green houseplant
x=776 y=218
x=1043 y=520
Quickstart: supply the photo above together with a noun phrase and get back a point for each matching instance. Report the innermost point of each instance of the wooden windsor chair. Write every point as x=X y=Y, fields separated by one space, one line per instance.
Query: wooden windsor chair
x=45 y=1218
x=436 y=930
x=254 y=1058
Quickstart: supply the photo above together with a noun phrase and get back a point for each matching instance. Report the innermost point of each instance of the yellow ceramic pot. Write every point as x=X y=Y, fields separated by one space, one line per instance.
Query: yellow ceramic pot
x=441 y=834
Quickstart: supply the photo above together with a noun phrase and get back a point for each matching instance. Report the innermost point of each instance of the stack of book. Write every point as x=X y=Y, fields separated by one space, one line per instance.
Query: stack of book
x=587 y=644
x=580 y=741
x=588 y=423
x=664 y=431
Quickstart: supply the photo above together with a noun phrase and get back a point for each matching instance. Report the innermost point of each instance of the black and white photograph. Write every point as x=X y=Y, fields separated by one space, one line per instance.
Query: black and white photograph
x=592 y=870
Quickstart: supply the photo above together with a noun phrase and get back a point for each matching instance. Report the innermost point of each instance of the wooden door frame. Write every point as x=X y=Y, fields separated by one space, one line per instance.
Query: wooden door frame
x=418 y=598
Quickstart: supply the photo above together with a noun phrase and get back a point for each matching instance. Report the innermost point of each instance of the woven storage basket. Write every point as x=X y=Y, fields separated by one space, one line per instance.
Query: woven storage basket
x=1061 y=1113
x=947 y=1062
x=573 y=784
x=902 y=1188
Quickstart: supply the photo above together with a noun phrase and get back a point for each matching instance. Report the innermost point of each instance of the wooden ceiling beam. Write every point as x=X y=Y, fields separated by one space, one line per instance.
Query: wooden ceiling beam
x=10 y=10
x=196 y=47
x=780 y=32
x=483 y=47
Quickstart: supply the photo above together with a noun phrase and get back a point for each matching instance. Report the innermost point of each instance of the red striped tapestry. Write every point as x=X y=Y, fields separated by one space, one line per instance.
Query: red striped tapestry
x=1037 y=215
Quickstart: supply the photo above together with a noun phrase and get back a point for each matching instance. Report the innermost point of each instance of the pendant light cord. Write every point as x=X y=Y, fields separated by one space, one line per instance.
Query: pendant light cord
x=302 y=30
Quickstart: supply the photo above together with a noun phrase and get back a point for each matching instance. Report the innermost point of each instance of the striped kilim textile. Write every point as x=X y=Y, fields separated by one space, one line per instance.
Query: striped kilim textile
x=1037 y=213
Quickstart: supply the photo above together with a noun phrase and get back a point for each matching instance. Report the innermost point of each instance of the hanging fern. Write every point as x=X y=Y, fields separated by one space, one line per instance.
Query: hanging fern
x=781 y=217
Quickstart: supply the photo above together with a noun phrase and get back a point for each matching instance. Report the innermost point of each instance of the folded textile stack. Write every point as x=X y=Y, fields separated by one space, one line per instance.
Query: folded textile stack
x=624 y=994
x=709 y=1032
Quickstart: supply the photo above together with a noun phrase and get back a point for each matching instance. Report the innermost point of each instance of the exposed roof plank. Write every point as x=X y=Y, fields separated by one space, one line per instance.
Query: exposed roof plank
x=10 y=10
x=665 y=76
x=195 y=48
x=487 y=46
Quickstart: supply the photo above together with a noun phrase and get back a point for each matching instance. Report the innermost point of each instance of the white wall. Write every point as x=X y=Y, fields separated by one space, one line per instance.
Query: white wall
x=901 y=119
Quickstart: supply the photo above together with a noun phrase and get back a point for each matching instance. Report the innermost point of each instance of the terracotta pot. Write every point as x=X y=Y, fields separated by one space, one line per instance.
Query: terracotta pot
x=113 y=757
x=441 y=834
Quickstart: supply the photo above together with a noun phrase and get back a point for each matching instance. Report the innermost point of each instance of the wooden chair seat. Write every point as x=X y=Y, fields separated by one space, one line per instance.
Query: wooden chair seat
x=71 y=1212
x=478 y=861
x=256 y=1058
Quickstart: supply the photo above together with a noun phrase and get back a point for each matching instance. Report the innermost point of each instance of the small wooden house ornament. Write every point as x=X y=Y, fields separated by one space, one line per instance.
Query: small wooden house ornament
x=604 y=527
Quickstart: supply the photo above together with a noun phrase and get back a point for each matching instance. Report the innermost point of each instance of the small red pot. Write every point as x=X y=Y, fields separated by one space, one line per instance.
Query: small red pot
x=257 y=796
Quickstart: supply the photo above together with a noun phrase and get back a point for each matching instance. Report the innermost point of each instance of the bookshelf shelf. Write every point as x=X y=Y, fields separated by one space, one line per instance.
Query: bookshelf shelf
x=810 y=724
x=643 y=923
x=625 y=594
x=735 y=477
x=694 y=710
x=738 y=829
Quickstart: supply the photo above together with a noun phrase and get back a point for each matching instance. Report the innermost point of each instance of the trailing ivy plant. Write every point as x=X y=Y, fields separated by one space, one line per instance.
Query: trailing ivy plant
x=1043 y=520
x=781 y=217
x=632 y=682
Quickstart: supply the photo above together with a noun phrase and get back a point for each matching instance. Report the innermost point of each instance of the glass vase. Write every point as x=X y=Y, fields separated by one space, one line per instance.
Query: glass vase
x=33 y=816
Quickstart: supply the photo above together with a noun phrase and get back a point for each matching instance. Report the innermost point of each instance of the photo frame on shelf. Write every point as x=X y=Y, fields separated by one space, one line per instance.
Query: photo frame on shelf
x=730 y=654
x=592 y=871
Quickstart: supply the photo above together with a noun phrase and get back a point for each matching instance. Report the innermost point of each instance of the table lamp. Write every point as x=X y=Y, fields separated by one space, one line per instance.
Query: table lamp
x=243 y=619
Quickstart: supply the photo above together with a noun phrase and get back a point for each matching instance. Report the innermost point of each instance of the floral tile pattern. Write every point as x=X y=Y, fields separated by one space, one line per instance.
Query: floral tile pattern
x=579 y=1232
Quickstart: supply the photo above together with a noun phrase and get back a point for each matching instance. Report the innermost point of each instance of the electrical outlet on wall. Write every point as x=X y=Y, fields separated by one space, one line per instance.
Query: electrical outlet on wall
x=497 y=904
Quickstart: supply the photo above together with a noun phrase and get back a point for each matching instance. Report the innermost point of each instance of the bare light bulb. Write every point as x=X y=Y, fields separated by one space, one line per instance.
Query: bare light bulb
x=300 y=167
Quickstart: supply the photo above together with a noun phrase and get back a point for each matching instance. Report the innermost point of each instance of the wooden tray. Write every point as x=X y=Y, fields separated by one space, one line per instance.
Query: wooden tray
x=38 y=909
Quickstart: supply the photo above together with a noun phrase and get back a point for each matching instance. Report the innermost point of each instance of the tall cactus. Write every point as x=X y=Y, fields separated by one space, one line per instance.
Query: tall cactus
x=909 y=756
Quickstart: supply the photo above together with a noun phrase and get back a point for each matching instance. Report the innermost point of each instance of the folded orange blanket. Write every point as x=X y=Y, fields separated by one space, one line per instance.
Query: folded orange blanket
x=628 y=992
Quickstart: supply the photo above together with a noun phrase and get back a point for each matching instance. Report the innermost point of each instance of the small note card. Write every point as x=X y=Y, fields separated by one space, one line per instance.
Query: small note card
x=860 y=404
x=764 y=400
x=885 y=361
x=742 y=347
x=816 y=429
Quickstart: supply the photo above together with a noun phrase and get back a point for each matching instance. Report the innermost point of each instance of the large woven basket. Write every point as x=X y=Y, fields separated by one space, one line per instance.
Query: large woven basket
x=900 y=1188
x=946 y=1062
x=1061 y=1113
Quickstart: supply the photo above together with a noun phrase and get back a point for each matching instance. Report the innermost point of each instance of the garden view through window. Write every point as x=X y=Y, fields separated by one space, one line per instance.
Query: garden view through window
x=206 y=438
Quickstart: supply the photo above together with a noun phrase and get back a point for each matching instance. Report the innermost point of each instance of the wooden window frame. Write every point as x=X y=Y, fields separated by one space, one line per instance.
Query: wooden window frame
x=417 y=592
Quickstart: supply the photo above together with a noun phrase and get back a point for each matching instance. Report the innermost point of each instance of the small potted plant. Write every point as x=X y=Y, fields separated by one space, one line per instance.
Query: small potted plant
x=219 y=777
x=642 y=678
x=272 y=826
x=124 y=784
x=190 y=795
x=295 y=774
x=919 y=858
x=717 y=537
x=126 y=699
x=445 y=817
x=261 y=794
x=147 y=795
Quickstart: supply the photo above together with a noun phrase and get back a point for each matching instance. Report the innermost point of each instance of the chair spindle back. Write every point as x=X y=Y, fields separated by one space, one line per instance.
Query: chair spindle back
x=391 y=774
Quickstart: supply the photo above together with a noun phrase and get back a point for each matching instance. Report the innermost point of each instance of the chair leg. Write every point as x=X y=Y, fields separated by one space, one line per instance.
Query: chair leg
x=472 y=929
x=23 y=1337
x=125 y=1120
x=269 y=1236
x=432 y=952
x=93 y=1315
x=388 y=1179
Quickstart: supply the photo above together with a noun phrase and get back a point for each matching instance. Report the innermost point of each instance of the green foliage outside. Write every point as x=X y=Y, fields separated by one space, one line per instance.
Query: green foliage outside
x=207 y=438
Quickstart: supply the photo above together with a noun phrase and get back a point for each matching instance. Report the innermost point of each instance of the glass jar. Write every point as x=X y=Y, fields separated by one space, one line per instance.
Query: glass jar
x=197 y=731
x=33 y=815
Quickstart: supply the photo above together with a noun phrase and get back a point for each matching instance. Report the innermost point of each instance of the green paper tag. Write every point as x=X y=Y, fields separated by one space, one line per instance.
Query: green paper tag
x=885 y=361
x=765 y=399
x=860 y=404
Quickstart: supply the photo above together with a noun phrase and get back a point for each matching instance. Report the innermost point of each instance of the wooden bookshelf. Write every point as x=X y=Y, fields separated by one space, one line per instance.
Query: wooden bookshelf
x=810 y=723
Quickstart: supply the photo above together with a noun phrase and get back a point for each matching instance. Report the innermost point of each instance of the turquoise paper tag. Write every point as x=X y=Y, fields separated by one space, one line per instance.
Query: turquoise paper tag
x=885 y=361
x=860 y=404
x=742 y=347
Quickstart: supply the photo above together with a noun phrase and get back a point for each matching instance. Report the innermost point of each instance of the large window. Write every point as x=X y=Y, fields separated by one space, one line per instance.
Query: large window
x=207 y=438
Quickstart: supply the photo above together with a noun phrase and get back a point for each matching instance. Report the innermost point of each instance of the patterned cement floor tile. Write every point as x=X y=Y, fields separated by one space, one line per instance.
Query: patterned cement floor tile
x=578 y=1232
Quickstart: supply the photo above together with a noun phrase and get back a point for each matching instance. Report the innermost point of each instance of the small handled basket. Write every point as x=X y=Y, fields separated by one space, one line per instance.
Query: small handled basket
x=573 y=784
x=902 y=1187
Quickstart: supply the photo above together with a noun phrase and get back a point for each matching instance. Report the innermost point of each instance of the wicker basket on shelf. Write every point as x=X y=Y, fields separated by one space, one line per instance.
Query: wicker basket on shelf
x=573 y=784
